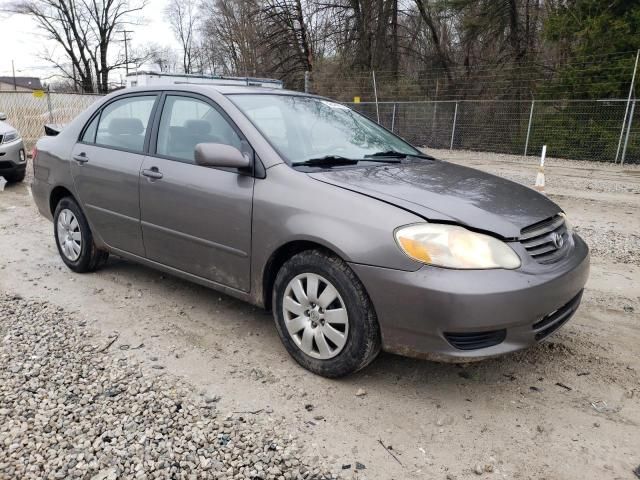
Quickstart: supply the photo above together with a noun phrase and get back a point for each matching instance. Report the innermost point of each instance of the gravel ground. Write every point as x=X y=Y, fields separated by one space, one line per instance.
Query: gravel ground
x=582 y=172
x=70 y=408
x=622 y=248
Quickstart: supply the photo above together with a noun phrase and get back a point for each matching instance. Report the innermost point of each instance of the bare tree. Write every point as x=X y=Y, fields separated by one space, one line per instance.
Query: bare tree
x=436 y=29
x=443 y=45
x=164 y=57
x=234 y=32
x=287 y=38
x=85 y=30
x=182 y=16
x=366 y=32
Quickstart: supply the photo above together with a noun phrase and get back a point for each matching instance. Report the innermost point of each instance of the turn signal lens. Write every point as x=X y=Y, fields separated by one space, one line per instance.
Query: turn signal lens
x=415 y=249
x=452 y=246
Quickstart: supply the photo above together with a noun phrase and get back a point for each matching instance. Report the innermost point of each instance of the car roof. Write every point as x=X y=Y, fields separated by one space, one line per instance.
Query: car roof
x=5 y=128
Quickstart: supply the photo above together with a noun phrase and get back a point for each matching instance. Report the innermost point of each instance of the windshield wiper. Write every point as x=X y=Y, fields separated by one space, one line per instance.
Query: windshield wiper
x=327 y=160
x=337 y=160
x=396 y=154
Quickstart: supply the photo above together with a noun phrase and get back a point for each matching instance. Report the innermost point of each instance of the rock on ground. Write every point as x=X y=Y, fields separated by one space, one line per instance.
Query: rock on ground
x=69 y=410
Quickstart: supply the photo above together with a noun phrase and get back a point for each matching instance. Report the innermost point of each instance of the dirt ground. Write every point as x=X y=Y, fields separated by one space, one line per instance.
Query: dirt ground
x=568 y=408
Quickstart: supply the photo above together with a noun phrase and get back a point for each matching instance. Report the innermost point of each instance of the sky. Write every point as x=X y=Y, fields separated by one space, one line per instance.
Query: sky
x=22 y=42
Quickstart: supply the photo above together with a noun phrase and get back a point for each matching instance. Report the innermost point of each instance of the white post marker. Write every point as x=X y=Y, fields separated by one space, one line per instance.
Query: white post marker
x=3 y=182
x=540 y=177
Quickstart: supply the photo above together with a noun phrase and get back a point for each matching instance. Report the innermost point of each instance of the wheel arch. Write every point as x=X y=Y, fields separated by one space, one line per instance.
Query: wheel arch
x=57 y=194
x=280 y=256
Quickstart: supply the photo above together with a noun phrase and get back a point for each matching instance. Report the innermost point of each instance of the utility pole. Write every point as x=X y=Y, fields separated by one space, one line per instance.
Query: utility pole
x=126 y=50
x=75 y=79
x=13 y=69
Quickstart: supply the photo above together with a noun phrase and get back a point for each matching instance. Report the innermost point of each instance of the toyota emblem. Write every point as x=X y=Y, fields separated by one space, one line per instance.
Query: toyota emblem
x=557 y=240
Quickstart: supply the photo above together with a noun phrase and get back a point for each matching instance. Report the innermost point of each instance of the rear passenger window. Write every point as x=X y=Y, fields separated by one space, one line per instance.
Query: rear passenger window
x=186 y=122
x=123 y=123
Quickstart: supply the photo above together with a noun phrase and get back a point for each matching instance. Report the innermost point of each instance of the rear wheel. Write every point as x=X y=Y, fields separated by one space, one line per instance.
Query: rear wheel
x=324 y=316
x=74 y=238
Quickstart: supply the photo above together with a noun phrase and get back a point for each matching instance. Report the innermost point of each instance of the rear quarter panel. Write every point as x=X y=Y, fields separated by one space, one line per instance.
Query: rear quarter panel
x=52 y=167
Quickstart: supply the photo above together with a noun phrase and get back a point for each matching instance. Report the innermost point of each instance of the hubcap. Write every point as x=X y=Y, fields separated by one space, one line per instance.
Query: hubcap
x=69 y=236
x=315 y=316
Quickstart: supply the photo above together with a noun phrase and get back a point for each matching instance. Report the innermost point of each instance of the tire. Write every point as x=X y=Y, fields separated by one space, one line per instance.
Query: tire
x=16 y=177
x=362 y=332
x=83 y=256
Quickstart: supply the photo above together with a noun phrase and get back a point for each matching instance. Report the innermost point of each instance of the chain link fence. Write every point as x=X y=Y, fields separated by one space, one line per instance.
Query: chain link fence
x=574 y=129
x=28 y=113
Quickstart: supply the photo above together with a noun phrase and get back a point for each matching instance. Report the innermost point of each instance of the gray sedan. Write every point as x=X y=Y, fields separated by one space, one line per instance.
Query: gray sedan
x=13 y=161
x=356 y=240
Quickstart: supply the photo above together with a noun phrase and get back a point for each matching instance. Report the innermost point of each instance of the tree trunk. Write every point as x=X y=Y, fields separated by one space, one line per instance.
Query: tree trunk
x=304 y=37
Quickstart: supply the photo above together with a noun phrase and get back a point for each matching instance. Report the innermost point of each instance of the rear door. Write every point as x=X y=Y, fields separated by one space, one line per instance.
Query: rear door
x=196 y=219
x=106 y=169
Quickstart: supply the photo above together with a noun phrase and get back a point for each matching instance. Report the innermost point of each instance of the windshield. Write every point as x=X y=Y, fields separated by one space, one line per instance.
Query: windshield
x=305 y=128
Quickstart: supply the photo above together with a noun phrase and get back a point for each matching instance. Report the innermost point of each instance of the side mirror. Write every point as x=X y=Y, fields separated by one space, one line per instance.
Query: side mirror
x=220 y=155
x=3 y=116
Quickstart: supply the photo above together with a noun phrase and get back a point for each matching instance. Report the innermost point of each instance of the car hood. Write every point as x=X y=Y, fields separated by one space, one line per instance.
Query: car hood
x=441 y=191
x=5 y=128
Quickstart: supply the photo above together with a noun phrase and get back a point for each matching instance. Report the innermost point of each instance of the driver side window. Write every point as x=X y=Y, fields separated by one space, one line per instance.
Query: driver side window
x=185 y=122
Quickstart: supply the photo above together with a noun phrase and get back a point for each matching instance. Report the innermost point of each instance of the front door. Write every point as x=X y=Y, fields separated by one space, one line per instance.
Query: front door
x=196 y=219
x=106 y=170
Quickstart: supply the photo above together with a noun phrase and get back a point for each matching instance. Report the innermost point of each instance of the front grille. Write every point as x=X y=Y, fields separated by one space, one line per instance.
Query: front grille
x=546 y=241
x=476 y=340
x=554 y=320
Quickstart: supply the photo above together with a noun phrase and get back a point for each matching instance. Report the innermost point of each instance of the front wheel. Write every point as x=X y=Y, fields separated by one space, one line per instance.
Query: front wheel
x=324 y=316
x=74 y=238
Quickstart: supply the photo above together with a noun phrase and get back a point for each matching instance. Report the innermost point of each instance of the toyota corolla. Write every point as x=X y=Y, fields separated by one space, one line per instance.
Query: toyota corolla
x=356 y=240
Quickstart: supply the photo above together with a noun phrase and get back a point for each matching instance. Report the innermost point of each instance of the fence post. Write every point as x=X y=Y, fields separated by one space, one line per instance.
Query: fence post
x=453 y=129
x=49 y=105
x=306 y=82
x=375 y=92
x=626 y=110
x=626 y=139
x=526 y=144
x=393 y=118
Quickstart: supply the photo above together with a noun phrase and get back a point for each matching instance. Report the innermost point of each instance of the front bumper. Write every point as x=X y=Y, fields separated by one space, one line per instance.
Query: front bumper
x=426 y=312
x=12 y=158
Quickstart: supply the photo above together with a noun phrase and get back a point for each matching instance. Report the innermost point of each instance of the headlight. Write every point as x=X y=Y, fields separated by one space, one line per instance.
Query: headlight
x=454 y=247
x=567 y=224
x=10 y=137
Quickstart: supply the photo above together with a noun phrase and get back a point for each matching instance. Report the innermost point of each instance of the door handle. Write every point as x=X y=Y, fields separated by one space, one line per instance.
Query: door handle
x=81 y=158
x=152 y=172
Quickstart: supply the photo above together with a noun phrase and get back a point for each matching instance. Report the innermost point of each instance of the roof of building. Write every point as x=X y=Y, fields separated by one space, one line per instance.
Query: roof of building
x=224 y=89
x=23 y=82
x=188 y=76
x=233 y=89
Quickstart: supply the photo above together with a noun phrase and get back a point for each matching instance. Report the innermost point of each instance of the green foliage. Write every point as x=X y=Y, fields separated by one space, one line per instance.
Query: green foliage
x=596 y=31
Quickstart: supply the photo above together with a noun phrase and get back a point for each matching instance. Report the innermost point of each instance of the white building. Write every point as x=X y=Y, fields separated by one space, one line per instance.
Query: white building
x=146 y=76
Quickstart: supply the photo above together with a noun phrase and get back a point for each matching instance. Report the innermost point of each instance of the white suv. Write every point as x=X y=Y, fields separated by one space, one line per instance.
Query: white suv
x=13 y=160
